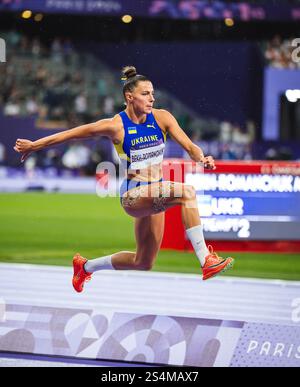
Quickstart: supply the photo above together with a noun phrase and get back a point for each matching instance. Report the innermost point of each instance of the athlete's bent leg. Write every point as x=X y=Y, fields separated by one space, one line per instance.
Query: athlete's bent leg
x=149 y=233
x=116 y=261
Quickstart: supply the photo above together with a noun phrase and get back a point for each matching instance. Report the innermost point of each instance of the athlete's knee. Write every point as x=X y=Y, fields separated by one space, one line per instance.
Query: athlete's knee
x=147 y=266
x=144 y=265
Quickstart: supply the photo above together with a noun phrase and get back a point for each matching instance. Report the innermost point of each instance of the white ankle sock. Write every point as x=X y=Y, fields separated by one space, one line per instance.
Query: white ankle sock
x=195 y=235
x=103 y=263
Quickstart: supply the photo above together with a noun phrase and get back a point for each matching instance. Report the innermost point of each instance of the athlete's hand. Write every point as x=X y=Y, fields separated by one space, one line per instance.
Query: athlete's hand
x=25 y=147
x=209 y=162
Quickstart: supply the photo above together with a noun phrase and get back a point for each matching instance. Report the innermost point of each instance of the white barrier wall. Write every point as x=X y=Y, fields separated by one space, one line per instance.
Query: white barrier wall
x=144 y=338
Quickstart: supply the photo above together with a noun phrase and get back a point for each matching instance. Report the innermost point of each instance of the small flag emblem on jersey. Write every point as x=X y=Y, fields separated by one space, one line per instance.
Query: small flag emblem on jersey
x=132 y=130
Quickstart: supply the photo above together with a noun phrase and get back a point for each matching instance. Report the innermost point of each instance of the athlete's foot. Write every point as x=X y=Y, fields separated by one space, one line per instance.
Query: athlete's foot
x=215 y=265
x=80 y=276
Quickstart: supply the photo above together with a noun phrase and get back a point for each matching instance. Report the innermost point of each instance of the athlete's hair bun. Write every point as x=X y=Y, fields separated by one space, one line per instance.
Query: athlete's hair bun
x=130 y=79
x=128 y=72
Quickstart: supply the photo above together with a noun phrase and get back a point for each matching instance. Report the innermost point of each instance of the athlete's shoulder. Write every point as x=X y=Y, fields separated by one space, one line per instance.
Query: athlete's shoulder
x=160 y=112
x=118 y=131
x=116 y=119
x=114 y=122
x=110 y=122
x=163 y=118
x=107 y=126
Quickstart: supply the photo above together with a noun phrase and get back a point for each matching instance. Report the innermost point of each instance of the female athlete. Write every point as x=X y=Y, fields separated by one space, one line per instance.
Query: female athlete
x=139 y=134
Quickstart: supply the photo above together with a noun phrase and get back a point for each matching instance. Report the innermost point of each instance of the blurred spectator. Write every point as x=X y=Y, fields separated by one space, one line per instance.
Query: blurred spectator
x=108 y=105
x=77 y=156
x=36 y=48
x=251 y=130
x=14 y=38
x=31 y=106
x=41 y=75
x=240 y=137
x=68 y=51
x=12 y=108
x=228 y=152
x=30 y=166
x=225 y=132
x=56 y=51
x=278 y=53
x=248 y=153
x=2 y=154
x=24 y=45
x=52 y=158
x=102 y=87
x=271 y=154
x=81 y=106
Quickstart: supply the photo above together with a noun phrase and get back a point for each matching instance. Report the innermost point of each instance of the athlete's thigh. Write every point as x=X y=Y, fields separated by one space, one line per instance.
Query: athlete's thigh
x=152 y=199
x=149 y=233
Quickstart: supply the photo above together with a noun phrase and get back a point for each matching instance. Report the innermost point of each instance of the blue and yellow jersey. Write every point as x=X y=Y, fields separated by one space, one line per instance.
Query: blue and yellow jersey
x=143 y=144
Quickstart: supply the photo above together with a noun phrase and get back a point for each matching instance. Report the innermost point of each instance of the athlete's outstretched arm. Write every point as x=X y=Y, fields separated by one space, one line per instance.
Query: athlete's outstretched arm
x=103 y=127
x=194 y=151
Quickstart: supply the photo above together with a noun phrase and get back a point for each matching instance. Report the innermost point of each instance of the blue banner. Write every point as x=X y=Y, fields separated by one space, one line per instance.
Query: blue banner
x=184 y=9
x=109 y=7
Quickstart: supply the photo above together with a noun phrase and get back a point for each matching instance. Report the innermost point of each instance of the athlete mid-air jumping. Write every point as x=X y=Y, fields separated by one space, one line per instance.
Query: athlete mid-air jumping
x=139 y=134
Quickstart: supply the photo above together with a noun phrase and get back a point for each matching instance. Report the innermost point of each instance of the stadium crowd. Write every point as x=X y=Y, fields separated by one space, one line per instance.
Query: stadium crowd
x=53 y=83
x=61 y=89
x=278 y=53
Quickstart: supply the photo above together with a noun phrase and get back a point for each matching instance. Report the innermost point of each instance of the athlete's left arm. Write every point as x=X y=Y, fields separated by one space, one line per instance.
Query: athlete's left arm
x=195 y=152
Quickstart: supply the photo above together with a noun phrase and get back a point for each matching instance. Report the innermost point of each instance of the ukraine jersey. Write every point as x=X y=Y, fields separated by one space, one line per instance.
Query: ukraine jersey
x=143 y=144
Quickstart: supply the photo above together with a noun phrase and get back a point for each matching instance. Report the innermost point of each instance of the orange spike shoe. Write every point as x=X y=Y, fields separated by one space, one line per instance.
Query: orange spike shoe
x=80 y=276
x=215 y=265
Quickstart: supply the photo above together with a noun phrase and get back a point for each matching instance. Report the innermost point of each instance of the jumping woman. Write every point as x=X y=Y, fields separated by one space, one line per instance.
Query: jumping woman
x=139 y=134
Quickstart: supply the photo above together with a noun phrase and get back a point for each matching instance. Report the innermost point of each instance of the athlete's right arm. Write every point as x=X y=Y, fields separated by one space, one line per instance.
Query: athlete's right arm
x=103 y=127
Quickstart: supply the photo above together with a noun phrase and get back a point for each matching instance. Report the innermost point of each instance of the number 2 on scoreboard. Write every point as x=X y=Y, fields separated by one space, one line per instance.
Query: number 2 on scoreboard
x=244 y=231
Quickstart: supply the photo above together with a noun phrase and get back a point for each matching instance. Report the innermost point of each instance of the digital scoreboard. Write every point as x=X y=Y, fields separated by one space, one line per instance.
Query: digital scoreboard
x=253 y=201
x=252 y=206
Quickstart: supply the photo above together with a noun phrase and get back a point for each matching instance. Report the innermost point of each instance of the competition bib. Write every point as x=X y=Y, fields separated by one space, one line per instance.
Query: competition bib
x=143 y=158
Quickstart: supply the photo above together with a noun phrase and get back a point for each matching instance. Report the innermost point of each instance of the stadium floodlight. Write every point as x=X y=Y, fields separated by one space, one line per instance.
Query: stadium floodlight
x=38 y=17
x=26 y=14
x=292 y=95
x=229 y=22
x=127 y=19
